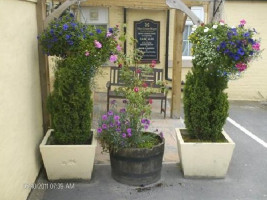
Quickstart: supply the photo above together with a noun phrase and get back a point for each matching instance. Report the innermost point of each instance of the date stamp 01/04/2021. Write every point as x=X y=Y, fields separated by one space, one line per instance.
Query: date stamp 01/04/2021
x=48 y=186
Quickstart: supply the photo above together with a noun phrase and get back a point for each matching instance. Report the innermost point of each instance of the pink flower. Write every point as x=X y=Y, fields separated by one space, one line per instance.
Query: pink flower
x=136 y=89
x=118 y=47
x=241 y=66
x=87 y=53
x=221 y=21
x=243 y=22
x=144 y=85
x=113 y=58
x=109 y=34
x=256 y=46
x=153 y=63
x=138 y=71
x=120 y=65
x=150 y=101
x=98 y=44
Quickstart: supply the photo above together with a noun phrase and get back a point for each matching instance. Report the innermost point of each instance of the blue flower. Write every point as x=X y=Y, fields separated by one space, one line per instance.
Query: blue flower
x=52 y=31
x=110 y=30
x=236 y=57
x=65 y=27
x=71 y=15
x=91 y=34
x=226 y=51
x=223 y=45
x=251 y=41
x=98 y=31
x=67 y=37
x=240 y=51
x=73 y=25
x=70 y=42
x=247 y=34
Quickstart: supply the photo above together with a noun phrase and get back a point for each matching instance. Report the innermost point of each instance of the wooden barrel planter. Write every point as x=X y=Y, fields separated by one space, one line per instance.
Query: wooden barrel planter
x=137 y=166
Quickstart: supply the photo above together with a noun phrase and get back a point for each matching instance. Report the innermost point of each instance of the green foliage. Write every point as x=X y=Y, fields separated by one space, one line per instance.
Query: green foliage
x=125 y=128
x=70 y=103
x=81 y=50
x=205 y=106
x=220 y=52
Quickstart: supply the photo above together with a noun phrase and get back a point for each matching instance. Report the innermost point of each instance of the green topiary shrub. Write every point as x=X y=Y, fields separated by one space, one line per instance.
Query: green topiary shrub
x=70 y=103
x=205 y=106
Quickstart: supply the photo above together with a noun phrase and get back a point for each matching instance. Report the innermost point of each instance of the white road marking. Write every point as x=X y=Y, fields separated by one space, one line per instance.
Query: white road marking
x=248 y=133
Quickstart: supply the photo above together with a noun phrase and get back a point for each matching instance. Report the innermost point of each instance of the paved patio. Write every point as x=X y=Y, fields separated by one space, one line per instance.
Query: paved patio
x=246 y=178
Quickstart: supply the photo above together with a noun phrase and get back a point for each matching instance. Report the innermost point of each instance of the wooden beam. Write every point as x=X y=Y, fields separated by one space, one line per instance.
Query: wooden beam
x=177 y=64
x=178 y=4
x=43 y=64
x=60 y=10
x=136 y=4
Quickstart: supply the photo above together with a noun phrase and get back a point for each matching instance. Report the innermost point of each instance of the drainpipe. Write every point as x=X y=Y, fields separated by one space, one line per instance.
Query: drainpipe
x=167 y=47
x=124 y=29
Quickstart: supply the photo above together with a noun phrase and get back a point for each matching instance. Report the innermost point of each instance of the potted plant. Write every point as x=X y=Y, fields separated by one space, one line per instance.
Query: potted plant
x=135 y=153
x=68 y=149
x=220 y=53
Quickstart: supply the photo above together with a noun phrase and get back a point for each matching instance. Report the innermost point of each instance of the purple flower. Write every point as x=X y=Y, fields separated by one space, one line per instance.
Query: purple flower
x=111 y=125
x=129 y=130
x=123 y=110
x=124 y=101
x=123 y=135
x=145 y=126
x=104 y=126
x=113 y=101
x=129 y=134
x=110 y=112
x=104 y=117
x=143 y=121
x=118 y=123
x=161 y=135
x=118 y=129
x=113 y=58
x=99 y=130
x=98 y=45
x=116 y=117
x=65 y=27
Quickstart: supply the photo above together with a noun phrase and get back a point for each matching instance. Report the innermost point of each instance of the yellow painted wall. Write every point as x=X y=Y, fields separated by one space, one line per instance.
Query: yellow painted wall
x=253 y=84
x=20 y=99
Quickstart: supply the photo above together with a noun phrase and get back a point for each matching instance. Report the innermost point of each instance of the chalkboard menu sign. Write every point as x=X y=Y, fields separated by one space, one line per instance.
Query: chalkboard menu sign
x=146 y=32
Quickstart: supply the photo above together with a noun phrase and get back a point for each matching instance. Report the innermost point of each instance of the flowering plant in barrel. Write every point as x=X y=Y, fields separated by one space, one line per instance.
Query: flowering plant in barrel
x=220 y=53
x=123 y=132
x=126 y=127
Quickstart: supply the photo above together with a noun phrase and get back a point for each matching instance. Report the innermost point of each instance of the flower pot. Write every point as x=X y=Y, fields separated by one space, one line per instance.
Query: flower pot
x=137 y=166
x=210 y=160
x=72 y=162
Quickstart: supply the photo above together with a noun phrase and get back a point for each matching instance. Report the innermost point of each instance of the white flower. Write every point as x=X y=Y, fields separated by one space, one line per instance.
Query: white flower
x=194 y=26
x=206 y=30
x=215 y=26
x=193 y=29
x=221 y=23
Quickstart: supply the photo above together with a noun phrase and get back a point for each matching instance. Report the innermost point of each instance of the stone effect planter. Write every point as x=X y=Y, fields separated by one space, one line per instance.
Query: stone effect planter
x=134 y=166
x=210 y=160
x=71 y=162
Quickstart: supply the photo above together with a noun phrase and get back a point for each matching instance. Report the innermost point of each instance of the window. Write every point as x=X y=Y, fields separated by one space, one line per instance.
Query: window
x=199 y=11
x=95 y=16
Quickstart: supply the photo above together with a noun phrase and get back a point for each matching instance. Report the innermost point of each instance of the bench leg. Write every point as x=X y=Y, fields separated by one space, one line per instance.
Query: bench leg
x=165 y=108
x=107 y=103
x=161 y=105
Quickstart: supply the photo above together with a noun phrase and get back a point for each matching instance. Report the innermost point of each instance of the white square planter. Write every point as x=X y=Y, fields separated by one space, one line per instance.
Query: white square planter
x=68 y=161
x=210 y=160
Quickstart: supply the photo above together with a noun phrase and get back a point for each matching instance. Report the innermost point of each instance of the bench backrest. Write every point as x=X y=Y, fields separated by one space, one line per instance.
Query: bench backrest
x=150 y=79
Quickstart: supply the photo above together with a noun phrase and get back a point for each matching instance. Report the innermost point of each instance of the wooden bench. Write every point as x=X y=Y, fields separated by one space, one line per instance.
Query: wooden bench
x=151 y=80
